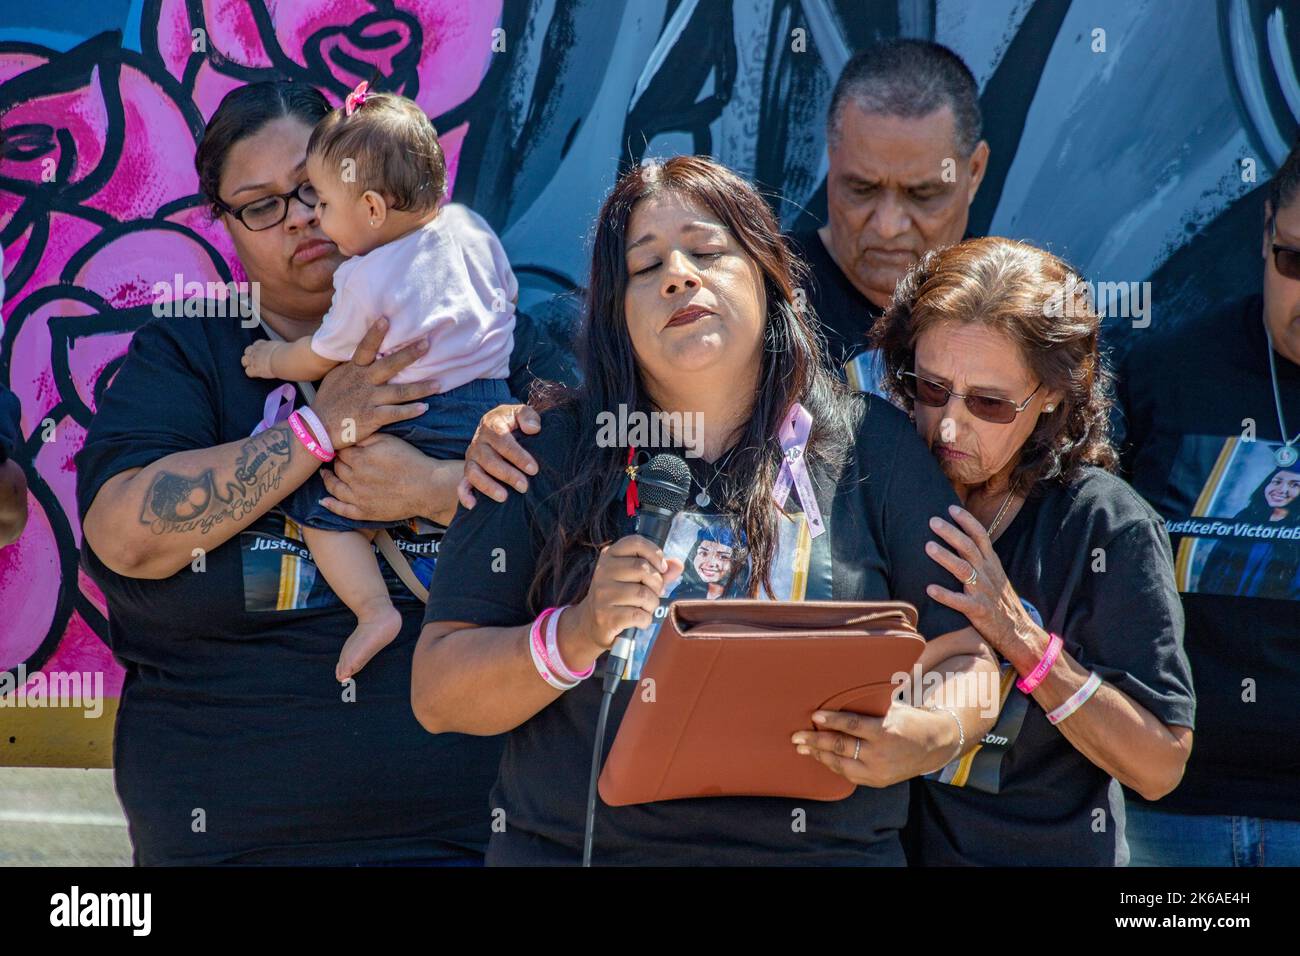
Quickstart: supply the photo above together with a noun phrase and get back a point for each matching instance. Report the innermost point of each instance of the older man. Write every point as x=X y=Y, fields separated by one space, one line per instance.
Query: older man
x=906 y=159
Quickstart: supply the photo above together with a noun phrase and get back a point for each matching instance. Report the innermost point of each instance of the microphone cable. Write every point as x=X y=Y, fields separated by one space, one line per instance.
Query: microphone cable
x=664 y=484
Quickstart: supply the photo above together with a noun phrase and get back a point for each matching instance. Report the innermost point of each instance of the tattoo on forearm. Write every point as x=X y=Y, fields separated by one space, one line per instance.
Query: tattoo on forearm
x=178 y=504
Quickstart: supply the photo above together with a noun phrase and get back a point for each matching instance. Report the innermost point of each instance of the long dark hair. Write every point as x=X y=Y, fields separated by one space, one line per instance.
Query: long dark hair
x=792 y=370
x=1259 y=511
x=1226 y=562
x=692 y=584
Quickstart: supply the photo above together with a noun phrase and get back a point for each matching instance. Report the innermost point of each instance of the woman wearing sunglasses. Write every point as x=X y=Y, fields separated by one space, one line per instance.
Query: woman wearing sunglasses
x=991 y=345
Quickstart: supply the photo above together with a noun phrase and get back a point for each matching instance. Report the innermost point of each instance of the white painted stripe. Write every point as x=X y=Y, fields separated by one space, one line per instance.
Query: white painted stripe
x=66 y=819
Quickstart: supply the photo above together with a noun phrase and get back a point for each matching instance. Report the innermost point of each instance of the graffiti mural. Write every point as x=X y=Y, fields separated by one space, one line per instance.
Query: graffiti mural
x=1143 y=159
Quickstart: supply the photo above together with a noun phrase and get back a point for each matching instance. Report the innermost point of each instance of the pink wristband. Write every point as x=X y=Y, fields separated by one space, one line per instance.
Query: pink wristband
x=310 y=419
x=1035 y=677
x=308 y=439
x=537 y=647
x=553 y=649
x=1077 y=699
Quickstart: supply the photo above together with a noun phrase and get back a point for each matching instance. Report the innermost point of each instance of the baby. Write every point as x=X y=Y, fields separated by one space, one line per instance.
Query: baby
x=439 y=273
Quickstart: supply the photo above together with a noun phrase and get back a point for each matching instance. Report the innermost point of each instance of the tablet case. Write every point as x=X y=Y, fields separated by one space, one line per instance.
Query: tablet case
x=732 y=680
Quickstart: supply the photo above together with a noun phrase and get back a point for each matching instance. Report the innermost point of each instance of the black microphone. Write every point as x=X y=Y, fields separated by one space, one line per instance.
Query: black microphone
x=663 y=486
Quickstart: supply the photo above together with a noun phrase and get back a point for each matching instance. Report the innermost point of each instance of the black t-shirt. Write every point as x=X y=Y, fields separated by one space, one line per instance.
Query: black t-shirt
x=230 y=706
x=873 y=549
x=1093 y=561
x=1201 y=435
x=538 y=353
x=846 y=315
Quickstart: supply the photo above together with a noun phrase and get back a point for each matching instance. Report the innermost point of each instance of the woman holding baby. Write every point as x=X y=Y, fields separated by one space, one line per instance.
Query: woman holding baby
x=235 y=743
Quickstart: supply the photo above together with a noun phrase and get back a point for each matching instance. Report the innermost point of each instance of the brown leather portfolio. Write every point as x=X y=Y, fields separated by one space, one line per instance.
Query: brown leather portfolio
x=727 y=682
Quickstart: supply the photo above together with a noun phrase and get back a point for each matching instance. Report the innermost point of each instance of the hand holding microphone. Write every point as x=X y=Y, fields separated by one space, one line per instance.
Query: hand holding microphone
x=662 y=488
x=624 y=592
x=631 y=574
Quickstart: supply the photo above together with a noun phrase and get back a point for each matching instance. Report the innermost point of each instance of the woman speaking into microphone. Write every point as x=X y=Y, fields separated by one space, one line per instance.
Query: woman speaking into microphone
x=690 y=314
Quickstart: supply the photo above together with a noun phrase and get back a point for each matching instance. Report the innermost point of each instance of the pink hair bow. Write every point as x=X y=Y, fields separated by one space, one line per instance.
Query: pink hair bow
x=355 y=98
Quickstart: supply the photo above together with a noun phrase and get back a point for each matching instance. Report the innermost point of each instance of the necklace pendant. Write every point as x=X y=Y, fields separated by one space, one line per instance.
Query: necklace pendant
x=703 y=499
x=1286 y=456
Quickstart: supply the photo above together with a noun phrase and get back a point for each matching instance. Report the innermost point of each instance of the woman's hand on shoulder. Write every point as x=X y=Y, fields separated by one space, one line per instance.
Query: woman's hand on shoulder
x=495 y=458
x=990 y=603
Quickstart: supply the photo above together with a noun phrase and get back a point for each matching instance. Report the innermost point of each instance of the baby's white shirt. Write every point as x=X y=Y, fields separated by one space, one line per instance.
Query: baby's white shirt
x=449 y=280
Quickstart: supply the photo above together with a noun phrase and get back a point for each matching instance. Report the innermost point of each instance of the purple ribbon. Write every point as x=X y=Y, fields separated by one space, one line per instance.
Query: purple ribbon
x=795 y=430
x=277 y=407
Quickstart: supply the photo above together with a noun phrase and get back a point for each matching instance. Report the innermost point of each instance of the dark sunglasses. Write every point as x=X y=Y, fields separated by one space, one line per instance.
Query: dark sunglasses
x=270 y=211
x=999 y=411
x=1285 y=258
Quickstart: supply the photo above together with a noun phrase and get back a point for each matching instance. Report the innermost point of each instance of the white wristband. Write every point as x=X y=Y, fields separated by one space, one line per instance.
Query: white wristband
x=318 y=429
x=537 y=648
x=1077 y=699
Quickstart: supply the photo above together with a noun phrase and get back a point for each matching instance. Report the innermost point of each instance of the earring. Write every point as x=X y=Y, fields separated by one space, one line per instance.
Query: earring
x=372 y=223
x=1049 y=408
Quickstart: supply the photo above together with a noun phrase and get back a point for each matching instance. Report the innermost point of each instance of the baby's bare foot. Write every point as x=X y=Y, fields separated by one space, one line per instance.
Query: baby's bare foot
x=377 y=625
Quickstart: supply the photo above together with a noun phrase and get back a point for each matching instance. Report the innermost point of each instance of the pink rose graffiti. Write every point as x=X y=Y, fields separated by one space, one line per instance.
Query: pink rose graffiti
x=98 y=201
x=431 y=50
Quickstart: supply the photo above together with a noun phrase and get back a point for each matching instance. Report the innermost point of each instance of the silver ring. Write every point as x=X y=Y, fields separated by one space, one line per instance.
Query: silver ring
x=971 y=580
x=857 y=748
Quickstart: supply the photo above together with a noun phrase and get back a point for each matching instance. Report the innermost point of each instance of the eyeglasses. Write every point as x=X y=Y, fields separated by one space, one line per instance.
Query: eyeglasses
x=270 y=210
x=999 y=411
x=1285 y=258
